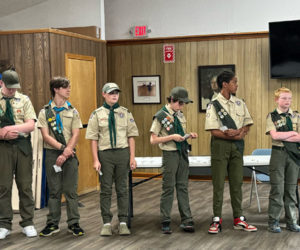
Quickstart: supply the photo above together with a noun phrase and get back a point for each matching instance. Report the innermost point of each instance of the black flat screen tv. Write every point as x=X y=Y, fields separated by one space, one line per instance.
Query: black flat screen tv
x=284 y=49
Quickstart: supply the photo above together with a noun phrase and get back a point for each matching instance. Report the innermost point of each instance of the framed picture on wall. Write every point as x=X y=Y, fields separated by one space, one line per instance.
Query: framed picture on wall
x=207 y=81
x=146 y=89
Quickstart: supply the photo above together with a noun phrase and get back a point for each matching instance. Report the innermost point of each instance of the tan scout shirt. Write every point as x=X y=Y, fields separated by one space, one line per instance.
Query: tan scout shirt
x=161 y=131
x=295 y=117
x=22 y=108
x=70 y=119
x=235 y=107
x=98 y=127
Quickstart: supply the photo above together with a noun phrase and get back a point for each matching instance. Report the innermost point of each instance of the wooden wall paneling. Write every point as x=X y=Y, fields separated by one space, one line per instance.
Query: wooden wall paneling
x=240 y=56
x=28 y=67
x=53 y=56
x=193 y=111
x=39 y=69
x=265 y=98
x=4 y=47
x=47 y=69
x=202 y=57
x=17 y=59
x=11 y=45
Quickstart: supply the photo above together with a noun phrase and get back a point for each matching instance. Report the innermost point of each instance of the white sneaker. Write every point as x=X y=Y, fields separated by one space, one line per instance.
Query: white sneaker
x=29 y=231
x=3 y=233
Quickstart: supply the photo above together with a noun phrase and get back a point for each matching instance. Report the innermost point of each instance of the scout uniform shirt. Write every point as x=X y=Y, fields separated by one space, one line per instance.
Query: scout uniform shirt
x=98 y=129
x=295 y=117
x=235 y=107
x=160 y=129
x=70 y=119
x=22 y=108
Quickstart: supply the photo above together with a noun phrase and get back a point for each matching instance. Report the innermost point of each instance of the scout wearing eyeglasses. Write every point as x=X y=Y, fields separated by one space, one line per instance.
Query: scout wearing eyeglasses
x=60 y=123
x=228 y=120
x=283 y=125
x=111 y=129
x=169 y=131
x=17 y=119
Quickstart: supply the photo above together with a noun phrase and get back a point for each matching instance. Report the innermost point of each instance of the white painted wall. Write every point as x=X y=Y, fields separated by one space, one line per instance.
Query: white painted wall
x=57 y=13
x=195 y=17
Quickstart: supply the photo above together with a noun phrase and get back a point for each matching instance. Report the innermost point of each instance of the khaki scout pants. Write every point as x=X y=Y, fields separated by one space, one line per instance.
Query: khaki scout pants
x=114 y=167
x=64 y=182
x=14 y=162
x=283 y=176
x=225 y=157
x=175 y=174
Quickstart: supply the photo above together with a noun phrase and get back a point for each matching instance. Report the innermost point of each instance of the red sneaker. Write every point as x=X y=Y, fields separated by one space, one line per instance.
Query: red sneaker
x=241 y=224
x=216 y=225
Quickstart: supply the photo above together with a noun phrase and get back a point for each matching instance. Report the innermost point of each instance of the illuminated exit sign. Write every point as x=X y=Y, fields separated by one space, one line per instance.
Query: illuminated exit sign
x=139 y=31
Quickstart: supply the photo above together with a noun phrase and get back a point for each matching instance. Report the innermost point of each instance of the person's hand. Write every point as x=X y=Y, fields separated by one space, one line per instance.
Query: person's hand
x=232 y=132
x=3 y=132
x=97 y=166
x=178 y=138
x=60 y=160
x=193 y=135
x=68 y=152
x=11 y=135
x=133 y=164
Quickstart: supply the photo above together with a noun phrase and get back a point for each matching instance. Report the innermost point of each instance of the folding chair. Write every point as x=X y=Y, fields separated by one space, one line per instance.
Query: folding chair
x=258 y=176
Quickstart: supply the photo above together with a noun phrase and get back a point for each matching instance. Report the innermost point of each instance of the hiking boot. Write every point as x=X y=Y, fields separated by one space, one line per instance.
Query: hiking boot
x=123 y=229
x=274 y=227
x=49 y=230
x=241 y=224
x=188 y=226
x=216 y=225
x=293 y=227
x=106 y=230
x=165 y=227
x=76 y=230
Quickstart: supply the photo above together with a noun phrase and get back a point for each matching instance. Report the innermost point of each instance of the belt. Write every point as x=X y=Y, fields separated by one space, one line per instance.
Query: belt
x=278 y=147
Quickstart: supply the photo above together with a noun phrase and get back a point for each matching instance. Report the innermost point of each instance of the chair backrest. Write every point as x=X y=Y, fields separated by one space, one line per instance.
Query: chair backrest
x=262 y=151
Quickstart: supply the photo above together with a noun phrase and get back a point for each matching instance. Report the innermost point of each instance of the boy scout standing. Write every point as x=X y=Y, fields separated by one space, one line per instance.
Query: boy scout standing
x=111 y=129
x=17 y=119
x=60 y=123
x=228 y=120
x=283 y=124
x=169 y=131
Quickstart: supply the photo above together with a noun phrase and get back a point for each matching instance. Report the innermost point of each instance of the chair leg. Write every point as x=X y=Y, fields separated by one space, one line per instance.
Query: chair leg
x=256 y=191
x=251 y=190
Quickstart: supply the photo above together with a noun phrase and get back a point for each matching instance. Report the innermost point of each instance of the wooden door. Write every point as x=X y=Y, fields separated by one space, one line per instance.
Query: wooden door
x=81 y=70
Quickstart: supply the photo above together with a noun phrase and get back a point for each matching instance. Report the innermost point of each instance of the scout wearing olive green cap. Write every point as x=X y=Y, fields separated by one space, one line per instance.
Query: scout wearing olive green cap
x=11 y=79
x=109 y=87
x=180 y=94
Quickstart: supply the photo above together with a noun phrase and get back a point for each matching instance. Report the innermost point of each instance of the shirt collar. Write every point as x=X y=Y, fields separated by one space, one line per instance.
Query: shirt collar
x=290 y=111
x=224 y=100
x=54 y=105
x=171 y=111
x=16 y=96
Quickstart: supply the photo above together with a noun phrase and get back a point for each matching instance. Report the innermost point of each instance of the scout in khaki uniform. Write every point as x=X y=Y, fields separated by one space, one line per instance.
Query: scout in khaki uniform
x=17 y=119
x=283 y=125
x=228 y=120
x=111 y=129
x=169 y=131
x=60 y=123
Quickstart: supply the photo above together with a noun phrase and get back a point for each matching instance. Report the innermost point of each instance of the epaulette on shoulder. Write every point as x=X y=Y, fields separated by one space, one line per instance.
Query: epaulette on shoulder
x=125 y=109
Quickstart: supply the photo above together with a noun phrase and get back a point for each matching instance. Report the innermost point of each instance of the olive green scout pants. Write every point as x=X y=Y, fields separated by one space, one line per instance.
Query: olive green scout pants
x=225 y=157
x=283 y=177
x=175 y=175
x=14 y=162
x=115 y=168
x=64 y=182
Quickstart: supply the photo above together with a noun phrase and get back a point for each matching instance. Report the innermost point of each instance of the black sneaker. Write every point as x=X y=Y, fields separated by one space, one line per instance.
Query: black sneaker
x=76 y=230
x=188 y=227
x=49 y=230
x=165 y=227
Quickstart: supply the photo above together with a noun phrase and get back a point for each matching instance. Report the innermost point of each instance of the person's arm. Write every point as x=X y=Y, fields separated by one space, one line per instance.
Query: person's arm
x=131 y=143
x=284 y=136
x=69 y=150
x=237 y=134
x=26 y=127
x=154 y=139
x=96 y=162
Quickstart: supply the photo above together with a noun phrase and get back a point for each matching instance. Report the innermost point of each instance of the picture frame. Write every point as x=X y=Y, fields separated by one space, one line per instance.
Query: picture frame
x=208 y=87
x=146 y=89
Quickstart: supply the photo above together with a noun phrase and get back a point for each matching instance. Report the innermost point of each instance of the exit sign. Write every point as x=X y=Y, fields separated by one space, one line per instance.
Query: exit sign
x=139 y=31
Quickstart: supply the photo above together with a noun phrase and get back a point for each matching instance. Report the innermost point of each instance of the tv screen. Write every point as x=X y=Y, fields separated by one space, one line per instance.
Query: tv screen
x=284 y=49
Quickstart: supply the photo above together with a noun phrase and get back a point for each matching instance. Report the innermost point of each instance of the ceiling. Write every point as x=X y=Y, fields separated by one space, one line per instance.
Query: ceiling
x=8 y=7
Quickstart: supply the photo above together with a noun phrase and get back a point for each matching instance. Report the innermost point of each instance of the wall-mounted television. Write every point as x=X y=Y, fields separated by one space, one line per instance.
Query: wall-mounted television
x=284 y=49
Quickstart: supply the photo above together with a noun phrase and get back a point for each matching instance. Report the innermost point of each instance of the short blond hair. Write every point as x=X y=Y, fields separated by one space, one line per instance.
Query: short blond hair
x=277 y=92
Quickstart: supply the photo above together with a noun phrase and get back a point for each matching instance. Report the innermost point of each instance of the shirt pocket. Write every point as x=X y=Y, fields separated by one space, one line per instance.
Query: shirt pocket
x=67 y=119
